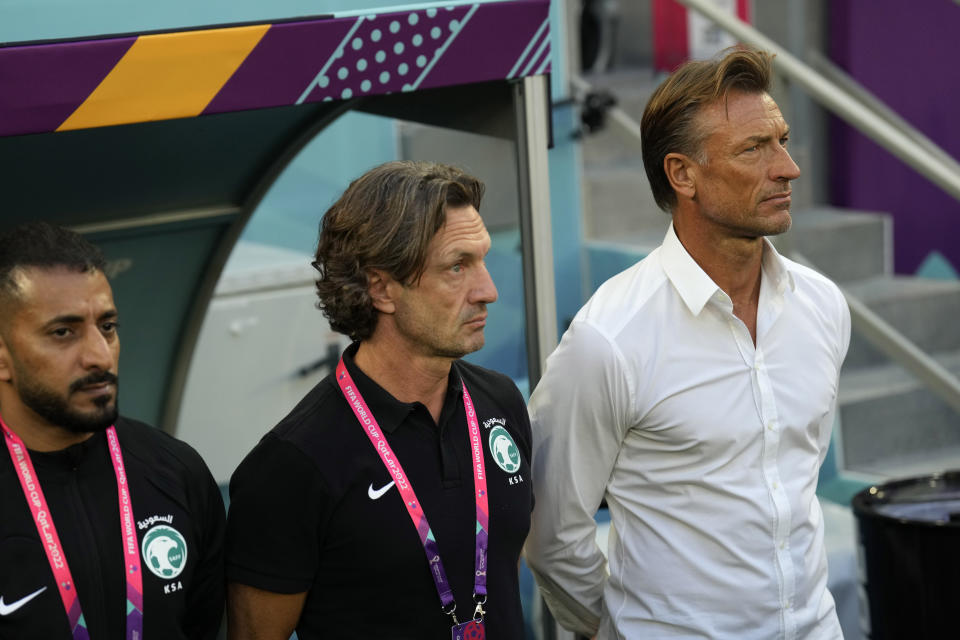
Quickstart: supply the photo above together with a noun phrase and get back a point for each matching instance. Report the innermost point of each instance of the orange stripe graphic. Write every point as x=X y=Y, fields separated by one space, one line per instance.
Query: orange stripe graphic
x=171 y=75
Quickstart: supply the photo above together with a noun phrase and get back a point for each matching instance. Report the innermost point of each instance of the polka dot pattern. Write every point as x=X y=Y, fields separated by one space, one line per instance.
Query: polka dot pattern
x=388 y=53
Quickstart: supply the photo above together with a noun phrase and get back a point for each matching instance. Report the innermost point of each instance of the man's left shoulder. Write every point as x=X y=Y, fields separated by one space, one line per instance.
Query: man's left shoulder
x=488 y=381
x=813 y=282
x=156 y=449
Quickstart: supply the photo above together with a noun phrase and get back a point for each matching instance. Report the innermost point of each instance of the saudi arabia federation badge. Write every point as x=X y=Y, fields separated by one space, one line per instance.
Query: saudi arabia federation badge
x=503 y=449
x=164 y=551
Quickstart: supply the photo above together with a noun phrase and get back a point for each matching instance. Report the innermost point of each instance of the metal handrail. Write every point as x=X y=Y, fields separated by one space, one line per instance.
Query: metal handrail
x=897 y=137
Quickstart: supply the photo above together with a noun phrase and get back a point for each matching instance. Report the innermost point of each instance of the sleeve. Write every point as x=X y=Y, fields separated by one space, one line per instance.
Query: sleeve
x=273 y=525
x=842 y=344
x=579 y=416
x=205 y=599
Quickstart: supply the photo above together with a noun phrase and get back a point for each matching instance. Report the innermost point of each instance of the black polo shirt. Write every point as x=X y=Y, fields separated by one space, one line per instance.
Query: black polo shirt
x=175 y=500
x=309 y=511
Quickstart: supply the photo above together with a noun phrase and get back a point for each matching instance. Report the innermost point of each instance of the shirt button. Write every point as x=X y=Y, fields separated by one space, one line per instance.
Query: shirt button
x=775 y=485
x=770 y=425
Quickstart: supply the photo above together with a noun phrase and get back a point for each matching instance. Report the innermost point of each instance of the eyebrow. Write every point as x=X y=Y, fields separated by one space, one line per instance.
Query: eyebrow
x=77 y=319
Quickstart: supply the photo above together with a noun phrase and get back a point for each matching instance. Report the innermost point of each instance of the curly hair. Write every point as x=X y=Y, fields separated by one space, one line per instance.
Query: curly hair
x=669 y=120
x=384 y=220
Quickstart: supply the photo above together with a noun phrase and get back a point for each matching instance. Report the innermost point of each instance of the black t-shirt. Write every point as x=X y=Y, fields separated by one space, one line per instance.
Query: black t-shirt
x=178 y=512
x=309 y=512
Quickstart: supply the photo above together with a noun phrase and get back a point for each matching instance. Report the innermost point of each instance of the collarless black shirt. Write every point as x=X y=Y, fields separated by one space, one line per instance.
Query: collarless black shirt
x=170 y=486
x=309 y=511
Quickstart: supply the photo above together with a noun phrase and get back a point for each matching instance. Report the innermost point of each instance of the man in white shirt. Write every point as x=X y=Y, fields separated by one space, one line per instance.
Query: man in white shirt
x=695 y=392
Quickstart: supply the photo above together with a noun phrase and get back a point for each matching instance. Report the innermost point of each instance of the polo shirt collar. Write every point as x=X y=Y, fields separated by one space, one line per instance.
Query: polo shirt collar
x=693 y=284
x=390 y=412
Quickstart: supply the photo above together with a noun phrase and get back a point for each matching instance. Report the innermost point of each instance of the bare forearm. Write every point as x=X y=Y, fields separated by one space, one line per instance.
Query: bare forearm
x=254 y=614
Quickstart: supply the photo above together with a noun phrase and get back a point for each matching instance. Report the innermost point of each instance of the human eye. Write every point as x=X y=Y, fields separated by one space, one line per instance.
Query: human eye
x=110 y=326
x=784 y=140
x=61 y=332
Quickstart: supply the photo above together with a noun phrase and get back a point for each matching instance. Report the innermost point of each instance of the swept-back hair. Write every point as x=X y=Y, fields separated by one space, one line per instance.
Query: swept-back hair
x=384 y=220
x=669 y=120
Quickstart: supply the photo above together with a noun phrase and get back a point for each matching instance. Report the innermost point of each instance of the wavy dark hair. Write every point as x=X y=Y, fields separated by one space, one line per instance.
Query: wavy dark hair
x=669 y=120
x=384 y=220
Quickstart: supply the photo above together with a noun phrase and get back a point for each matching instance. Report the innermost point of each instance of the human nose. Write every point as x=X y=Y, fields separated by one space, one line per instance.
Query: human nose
x=98 y=351
x=785 y=168
x=484 y=289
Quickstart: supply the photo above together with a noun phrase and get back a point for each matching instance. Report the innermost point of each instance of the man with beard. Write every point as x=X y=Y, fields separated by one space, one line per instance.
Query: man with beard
x=393 y=501
x=695 y=392
x=108 y=528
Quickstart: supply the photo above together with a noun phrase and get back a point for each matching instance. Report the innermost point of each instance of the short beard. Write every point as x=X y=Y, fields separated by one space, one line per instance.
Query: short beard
x=55 y=410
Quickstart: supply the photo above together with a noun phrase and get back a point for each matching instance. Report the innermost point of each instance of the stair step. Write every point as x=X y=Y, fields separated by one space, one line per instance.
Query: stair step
x=844 y=244
x=890 y=421
x=925 y=311
x=916 y=464
x=620 y=204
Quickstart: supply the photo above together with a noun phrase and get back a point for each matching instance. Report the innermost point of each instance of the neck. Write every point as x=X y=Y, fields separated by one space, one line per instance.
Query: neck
x=733 y=262
x=407 y=376
x=36 y=433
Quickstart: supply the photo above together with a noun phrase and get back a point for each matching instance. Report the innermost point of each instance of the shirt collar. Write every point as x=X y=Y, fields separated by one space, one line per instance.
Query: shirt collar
x=693 y=284
x=390 y=412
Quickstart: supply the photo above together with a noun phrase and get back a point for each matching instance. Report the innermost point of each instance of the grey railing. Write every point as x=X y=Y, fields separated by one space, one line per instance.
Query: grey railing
x=865 y=112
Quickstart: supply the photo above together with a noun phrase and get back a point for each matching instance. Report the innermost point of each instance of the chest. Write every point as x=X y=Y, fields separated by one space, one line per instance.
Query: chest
x=83 y=507
x=710 y=391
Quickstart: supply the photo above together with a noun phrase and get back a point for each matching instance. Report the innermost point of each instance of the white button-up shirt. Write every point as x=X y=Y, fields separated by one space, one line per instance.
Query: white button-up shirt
x=706 y=448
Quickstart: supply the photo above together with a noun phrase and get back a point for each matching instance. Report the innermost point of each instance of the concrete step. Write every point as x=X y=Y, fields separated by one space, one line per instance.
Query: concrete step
x=891 y=425
x=925 y=311
x=619 y=205
x=844 y=244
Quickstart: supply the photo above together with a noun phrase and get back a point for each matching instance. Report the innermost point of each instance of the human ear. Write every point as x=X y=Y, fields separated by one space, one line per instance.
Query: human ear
x=6 y=368
x=681 y=173
x=379 y=288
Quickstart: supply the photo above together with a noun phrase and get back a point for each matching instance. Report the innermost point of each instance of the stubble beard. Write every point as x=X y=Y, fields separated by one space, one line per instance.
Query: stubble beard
x=434 y=343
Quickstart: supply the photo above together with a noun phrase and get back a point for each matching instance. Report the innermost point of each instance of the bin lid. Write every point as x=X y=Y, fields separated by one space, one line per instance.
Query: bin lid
x=932 y=500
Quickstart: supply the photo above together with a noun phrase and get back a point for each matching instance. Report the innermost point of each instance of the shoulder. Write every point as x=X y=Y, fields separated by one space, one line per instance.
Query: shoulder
x=488 y=386
x=623 y=298
x=804 y=275
x=317 y=413
x=817 y=289
x=823 y=299
x=311 y=437
x=158 y=450
x=486 y=380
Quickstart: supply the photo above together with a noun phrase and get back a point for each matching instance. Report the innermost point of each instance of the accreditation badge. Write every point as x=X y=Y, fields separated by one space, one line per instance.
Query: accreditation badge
x=469 y=630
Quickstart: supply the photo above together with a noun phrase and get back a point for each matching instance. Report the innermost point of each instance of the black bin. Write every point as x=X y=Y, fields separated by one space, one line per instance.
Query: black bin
x=909 y=544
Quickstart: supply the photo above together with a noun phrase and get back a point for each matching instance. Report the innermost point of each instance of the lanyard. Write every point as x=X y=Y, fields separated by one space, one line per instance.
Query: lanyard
x=414 y=509
x=51 y=541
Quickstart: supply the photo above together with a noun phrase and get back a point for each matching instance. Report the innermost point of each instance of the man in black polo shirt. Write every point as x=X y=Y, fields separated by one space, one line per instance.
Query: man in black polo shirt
x=108 y=527
x=321 y=534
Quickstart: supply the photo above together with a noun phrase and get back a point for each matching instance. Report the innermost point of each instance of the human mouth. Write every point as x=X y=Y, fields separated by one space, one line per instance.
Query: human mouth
x=779 y=199
x=477 y=323
x=96 y=384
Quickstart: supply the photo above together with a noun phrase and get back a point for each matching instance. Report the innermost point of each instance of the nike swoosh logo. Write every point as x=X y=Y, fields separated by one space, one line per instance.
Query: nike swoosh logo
x=7 y=609
x=376 y=493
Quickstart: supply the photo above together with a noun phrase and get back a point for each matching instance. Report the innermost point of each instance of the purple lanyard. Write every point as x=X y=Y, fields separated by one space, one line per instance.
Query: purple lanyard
x=43 y=520
x=419 y=518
